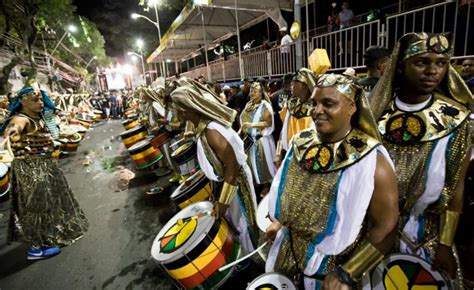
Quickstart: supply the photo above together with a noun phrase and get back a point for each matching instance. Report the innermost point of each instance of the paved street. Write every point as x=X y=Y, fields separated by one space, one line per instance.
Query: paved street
x=115 y=252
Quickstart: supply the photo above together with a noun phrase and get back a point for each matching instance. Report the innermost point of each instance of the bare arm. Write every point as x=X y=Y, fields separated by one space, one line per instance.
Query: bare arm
x=383 y=209
x=16 y=125
x=225 y=153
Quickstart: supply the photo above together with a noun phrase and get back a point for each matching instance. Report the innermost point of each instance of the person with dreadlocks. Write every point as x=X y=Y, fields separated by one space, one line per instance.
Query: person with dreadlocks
x=333 y=201
x=221 y=156
x=421 y=104
x=257 y=123
x=48 y=213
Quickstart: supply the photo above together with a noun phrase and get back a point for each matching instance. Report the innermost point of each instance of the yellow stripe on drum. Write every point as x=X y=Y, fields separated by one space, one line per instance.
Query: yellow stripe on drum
x=205 y=258
x=143 y=154
x=4 y=180
x=134 y=138
x=131 y=125
x=201 y=195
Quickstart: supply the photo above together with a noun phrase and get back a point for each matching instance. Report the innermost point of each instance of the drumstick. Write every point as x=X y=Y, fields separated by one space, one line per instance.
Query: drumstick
x=221 y=269
x=197 y=216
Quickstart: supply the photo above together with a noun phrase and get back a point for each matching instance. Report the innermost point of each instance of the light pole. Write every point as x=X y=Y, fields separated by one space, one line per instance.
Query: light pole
x=70 y=28
x=90 y=61
x=153 y=3
x=143 y=64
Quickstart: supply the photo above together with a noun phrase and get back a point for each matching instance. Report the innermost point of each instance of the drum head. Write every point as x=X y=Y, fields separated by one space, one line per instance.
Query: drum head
x=182 y=148
x=137 y=128
x=3 y=169
x=139 y=145
x=189 y=183
x=263 y=219
x=176 y=239
x=403 y=271
x=271 y=281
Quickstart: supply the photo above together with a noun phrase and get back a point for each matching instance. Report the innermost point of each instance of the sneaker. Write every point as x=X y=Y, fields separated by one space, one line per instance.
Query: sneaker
x=42 y=253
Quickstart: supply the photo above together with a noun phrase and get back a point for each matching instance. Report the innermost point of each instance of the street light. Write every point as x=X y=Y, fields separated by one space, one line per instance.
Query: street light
x=90 y=61
x=134 y=54
x=153 y=3
x=70 y=28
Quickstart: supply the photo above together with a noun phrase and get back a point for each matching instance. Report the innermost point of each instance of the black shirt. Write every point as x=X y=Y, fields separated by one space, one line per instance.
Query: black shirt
x=368 y=83
x=278 y=100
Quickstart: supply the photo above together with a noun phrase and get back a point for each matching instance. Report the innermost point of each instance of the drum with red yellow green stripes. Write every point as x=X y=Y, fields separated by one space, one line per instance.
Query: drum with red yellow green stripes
x=196 y=188
x=193 y=245
x=4 y=182
x=144 y=154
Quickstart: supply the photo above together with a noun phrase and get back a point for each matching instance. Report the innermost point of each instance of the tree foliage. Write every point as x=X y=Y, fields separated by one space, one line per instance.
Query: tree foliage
x=29 y=25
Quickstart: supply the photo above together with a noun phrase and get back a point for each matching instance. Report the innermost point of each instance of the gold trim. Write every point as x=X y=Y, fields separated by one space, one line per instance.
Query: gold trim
x=278 y=148
x=364 y=258
x=448 y=225
x=227 y=193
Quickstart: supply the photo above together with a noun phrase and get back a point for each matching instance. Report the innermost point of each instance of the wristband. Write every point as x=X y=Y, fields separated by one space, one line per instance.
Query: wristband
x=365 y=257
x=227 y=193
x=448 y=224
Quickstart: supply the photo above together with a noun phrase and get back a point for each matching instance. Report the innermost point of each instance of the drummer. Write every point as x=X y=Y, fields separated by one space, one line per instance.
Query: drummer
x=424 y=125
x=335 y=180
x=295 y=114
x=221 y=156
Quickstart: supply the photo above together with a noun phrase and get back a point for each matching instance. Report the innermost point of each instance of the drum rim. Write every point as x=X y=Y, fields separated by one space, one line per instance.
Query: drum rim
x=270 y=274
x=137 y=128
x=5 y=167
x=135 y=144
x=179 y=253
x=196 y=183
x=191 y=145
x=265 y=198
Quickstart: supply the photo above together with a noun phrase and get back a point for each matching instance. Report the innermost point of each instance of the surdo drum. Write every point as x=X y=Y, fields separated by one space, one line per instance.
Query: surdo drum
x=193 y=245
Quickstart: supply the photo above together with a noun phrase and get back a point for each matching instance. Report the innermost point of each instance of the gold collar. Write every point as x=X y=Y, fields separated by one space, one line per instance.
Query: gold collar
x=298 y=109
x=316 y=156
x=438 y=119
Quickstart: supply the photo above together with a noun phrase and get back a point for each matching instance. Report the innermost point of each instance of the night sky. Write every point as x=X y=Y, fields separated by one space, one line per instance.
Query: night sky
x=120 y=32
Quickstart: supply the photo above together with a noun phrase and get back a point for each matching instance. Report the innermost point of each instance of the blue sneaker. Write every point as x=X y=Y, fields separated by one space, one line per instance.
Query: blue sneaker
x=42 y=253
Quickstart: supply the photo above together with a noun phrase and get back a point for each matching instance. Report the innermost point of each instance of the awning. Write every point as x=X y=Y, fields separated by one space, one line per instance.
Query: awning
x=185 y=37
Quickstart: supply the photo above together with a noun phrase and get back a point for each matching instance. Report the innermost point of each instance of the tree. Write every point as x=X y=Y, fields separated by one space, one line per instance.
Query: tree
x=21 y=22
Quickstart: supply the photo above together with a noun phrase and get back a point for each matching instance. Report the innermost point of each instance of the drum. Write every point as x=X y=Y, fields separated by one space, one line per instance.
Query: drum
x=271 y=281
x=193 y=245
x=74 y=122
x=130 y=112
x=84 y=123
x=70 y=144
x=186 y=157
x=98 y=114
x=144 y=154
x=134 y=135
x=130 y=123
x=248 y=142
x=263 y=217
x=196 y=188
x=4 y=182
x=403 y=271
x=79 y=129
x=160 y=139
x=57 y=150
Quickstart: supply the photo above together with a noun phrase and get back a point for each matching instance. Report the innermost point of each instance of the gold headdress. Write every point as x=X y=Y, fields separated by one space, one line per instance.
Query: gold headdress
x=363 y=118
x=307 y=77
x=408 y=46
x=191 y=94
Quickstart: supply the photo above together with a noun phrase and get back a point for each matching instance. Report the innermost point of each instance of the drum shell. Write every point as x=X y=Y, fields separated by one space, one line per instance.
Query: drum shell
x=144 y=154
x=186 y=159
x=160 y=139
x=130 y=124
x=71 y=145
x=98 y=115
x=84 y=123
x=133 y=136
x=271 y=280
x=199 y=190
x=4 y=182
x=219 y=241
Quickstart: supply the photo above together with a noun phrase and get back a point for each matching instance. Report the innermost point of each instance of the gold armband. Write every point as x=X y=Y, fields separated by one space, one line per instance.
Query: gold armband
x=278 y=149
x=448 y=225
x=227 y=193
x=365 y=257
x=259 y=125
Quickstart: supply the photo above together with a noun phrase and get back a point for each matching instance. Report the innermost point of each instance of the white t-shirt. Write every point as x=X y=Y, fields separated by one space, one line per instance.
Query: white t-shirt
x=285 y=41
